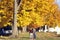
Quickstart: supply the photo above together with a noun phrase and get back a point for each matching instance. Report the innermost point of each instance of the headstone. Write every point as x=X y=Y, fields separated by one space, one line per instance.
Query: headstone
x=56 y=28
x=39 y=30
x=58 y=31
x=51 y=30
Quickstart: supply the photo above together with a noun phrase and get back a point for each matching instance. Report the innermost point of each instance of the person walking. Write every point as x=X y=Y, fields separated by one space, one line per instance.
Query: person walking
x=31 y=33
x=34 y=34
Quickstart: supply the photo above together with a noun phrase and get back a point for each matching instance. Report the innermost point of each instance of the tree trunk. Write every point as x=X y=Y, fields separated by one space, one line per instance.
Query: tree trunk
x=14 y=28
x=0 y=18
x=45 y=28
x=24 y=29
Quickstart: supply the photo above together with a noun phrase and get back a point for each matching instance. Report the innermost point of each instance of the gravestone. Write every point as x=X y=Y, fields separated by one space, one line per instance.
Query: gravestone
x=57 y=29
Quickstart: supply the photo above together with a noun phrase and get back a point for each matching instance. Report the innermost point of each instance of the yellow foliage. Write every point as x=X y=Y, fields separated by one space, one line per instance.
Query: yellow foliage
x=38 y=11
x=6 y=11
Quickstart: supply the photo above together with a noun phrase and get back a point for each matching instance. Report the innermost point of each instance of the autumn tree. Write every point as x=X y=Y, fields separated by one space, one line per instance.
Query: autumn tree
x=57 y=17
x=6 y=11
x=40 y=11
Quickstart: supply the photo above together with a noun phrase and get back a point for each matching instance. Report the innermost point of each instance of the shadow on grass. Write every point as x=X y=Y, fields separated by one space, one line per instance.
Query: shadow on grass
x=25 y=37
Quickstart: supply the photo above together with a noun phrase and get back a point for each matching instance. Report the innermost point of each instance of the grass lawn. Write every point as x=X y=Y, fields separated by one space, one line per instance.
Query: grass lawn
x=40 y=36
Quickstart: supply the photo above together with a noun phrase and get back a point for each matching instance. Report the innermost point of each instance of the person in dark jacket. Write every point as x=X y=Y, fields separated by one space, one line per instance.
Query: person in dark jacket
x=32 y=34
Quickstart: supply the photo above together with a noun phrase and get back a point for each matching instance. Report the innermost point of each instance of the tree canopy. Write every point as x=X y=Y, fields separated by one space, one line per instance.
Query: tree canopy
x=40 y=12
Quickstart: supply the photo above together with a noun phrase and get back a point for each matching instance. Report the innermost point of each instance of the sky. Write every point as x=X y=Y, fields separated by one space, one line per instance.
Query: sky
x=58 y=2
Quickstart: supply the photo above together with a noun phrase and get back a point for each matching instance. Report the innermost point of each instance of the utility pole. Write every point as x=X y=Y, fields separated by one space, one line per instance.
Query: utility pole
x=16 y=8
